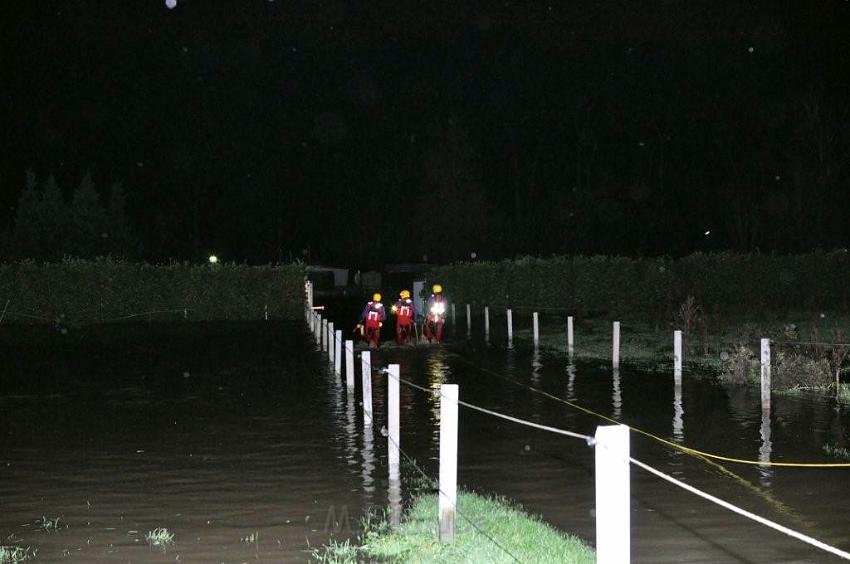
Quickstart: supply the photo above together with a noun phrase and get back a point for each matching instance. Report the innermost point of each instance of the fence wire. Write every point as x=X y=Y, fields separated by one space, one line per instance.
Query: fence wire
x=590 y=441
x=435 y=484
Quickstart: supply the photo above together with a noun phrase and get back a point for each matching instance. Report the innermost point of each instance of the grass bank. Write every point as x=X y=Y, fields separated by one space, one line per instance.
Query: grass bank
x=522 y=537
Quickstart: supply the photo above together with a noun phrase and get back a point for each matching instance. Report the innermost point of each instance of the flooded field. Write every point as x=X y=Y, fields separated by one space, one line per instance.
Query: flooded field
x=238 y=440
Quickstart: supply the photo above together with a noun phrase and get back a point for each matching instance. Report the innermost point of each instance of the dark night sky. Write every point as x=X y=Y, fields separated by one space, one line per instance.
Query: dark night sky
x=385 y=131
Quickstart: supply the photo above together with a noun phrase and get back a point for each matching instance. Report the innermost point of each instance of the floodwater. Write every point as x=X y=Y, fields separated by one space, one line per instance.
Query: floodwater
x=239 y=439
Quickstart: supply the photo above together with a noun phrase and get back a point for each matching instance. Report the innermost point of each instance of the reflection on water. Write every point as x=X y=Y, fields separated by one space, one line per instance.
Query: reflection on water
x=368 y=466
x=437 y=371
x=678 y=410
x=272 y=434
x=617 y=396
x=350 y=427
x=766 y=472
x=237 y=435
x=536 y=367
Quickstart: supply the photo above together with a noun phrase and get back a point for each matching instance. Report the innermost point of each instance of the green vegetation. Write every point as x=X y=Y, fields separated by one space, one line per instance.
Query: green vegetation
x=160 y=537
x=526 y=538
x=836 y=452
x=723 y=303
x=9 y=554
x=94 y=291
x=49 y=525
x=727 y=345
x=654 y=288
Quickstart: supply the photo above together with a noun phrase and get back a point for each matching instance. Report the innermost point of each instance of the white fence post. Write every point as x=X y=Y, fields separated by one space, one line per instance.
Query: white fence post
x=323 y=337
x=468 y=320
x=677 y=352
x=486 y=320
x=510 y=325
x=349 y=364
x=393 y=440
x=454 y=316
x=448 y=461
x=765 y=372
x=613 y=518
x=338 y=352
x=266 y=311
x=570 y=340
x=331 y=342
x=615 y=354
x=536 y=329
x=366 y=380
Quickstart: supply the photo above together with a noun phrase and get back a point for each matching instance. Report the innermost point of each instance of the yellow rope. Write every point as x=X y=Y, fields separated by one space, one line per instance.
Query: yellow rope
x=688 y=450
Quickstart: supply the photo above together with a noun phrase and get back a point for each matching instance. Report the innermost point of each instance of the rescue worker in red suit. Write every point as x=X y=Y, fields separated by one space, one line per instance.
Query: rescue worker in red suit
x=371 y=320
x=405 y=313
x=435 y=315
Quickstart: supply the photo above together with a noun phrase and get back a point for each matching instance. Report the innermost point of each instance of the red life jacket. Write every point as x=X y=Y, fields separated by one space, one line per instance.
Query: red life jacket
x=404 y=311
x=373 y=316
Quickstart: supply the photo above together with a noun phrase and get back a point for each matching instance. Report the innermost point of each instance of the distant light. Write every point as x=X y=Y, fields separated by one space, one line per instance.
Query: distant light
x=473 y=255
x=213 y=259
x=750 y=49
x=170 y=4
x=707 y=233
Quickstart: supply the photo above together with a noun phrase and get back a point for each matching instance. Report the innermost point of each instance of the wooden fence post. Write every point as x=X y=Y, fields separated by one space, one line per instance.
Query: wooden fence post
x=349 y=364
x=536 y=329
x=393 y=440
x=338 y=352
x=366 y=379
x=448 y=461
x=765 y=372
x=677 y=352
x=613 y=518
x=331 y=341
x=615 y=355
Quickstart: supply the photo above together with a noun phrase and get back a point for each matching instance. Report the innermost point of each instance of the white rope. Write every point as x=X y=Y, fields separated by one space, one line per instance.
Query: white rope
x=743 y=512
x=588 y=439
x=591 y=441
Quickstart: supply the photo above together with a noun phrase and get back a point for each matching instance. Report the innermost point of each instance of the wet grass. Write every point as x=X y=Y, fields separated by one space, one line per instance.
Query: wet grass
x=713 y=341
x=502 y=532
x=10 y=554
x=160 y=537
x=50 y=525
x=843 y=395
x=836 y=452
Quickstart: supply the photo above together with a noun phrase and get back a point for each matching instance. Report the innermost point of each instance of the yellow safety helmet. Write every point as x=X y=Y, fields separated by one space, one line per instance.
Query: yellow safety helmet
x=376 y=297
x=404 y=294
x=437 y=289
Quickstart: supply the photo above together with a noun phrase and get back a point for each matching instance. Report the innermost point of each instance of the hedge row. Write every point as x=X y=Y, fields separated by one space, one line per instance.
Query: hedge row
x=601 y=285
x=87 y=291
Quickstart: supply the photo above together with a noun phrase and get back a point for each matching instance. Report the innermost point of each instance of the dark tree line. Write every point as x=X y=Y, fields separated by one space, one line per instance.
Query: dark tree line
x=388 y=133
x=49 y=227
